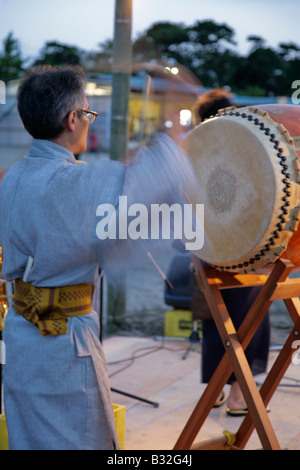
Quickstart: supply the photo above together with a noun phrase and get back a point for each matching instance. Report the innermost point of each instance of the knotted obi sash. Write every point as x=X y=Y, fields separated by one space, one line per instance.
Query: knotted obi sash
x=48 y=308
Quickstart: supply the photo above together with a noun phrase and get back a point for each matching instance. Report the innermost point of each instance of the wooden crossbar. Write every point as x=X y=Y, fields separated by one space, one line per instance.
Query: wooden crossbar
x=274 y=286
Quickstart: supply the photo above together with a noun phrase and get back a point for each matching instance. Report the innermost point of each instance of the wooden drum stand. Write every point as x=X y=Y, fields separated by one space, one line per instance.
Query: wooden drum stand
x=275 y=285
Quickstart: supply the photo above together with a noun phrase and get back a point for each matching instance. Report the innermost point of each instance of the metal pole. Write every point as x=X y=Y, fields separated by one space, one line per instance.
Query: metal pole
x=121 y=70
x=122 y=60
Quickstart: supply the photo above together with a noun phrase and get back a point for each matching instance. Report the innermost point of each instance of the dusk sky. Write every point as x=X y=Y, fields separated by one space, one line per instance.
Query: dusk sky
x=87 y=23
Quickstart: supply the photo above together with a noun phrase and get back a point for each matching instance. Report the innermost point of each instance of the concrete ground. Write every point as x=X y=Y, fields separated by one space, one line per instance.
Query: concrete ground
x=154 y=369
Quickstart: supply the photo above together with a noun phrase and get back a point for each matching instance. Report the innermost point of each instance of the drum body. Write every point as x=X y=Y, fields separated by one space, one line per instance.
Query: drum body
x=247 y=164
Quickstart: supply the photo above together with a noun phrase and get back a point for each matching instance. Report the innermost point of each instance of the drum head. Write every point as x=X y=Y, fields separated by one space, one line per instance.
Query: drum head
x=238 y=178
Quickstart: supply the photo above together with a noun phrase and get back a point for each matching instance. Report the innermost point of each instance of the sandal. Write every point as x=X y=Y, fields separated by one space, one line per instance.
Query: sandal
x=241 y=412
x=222 y=400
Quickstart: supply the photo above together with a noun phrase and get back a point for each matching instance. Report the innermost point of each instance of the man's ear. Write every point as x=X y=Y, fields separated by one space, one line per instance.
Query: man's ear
x=71 y=120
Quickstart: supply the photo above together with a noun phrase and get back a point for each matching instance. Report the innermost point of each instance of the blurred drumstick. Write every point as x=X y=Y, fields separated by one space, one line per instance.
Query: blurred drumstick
x=164 y=277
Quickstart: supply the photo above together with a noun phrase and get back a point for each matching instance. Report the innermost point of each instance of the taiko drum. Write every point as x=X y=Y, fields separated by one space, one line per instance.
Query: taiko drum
x=247 y=164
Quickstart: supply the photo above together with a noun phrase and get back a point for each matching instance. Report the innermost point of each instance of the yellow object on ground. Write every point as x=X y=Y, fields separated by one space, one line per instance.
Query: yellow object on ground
x=179 y=324
x=119 y=414
x=3 y=433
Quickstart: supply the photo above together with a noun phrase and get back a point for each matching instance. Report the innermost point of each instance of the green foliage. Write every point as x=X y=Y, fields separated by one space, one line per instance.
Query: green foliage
x=164 y=35
x=55 y=53
x=11 y=62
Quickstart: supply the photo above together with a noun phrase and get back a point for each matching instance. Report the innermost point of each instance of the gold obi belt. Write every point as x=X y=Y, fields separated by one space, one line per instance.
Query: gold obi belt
x=48 y=308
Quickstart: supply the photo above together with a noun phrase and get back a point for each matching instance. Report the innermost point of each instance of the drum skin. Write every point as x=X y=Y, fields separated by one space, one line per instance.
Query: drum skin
x=247 y=164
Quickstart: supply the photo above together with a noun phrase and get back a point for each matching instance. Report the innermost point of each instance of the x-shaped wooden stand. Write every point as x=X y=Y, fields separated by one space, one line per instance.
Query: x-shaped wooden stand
x=276 y=285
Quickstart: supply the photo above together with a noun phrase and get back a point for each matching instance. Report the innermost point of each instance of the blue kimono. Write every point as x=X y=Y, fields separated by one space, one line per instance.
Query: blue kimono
x=56 y=388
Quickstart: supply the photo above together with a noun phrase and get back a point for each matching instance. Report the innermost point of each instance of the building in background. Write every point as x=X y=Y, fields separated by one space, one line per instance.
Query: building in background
x=158 y=93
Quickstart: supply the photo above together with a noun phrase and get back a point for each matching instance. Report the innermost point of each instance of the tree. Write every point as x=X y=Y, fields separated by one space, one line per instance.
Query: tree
x=99 y=61
x=289 y=54
x=201 y=48
x=167 y=35
x=260 y=71
x=159 y=42
x=55 y=53
x=214 y=55
x=11 y=62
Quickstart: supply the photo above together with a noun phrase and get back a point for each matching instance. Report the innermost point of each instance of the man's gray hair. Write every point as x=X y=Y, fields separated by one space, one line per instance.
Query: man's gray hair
x=46 y=97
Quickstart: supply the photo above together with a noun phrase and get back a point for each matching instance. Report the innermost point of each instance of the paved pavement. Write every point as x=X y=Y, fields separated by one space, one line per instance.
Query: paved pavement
x=155 y=370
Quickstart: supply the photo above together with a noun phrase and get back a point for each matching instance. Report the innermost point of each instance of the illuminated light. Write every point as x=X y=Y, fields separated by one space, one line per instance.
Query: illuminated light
x=168 y=124
x=92 y=89
x=173 y=70
x=185 y=117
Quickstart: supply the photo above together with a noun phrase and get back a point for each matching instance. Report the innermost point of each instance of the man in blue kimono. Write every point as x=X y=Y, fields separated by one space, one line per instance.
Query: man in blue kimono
x=56 y=388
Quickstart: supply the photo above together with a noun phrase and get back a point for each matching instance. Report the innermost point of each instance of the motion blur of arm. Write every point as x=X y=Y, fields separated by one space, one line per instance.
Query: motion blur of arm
x=160 y=174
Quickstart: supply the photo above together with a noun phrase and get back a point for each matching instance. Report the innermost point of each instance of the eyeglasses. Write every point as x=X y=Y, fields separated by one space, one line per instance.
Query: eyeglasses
x=91 y=115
